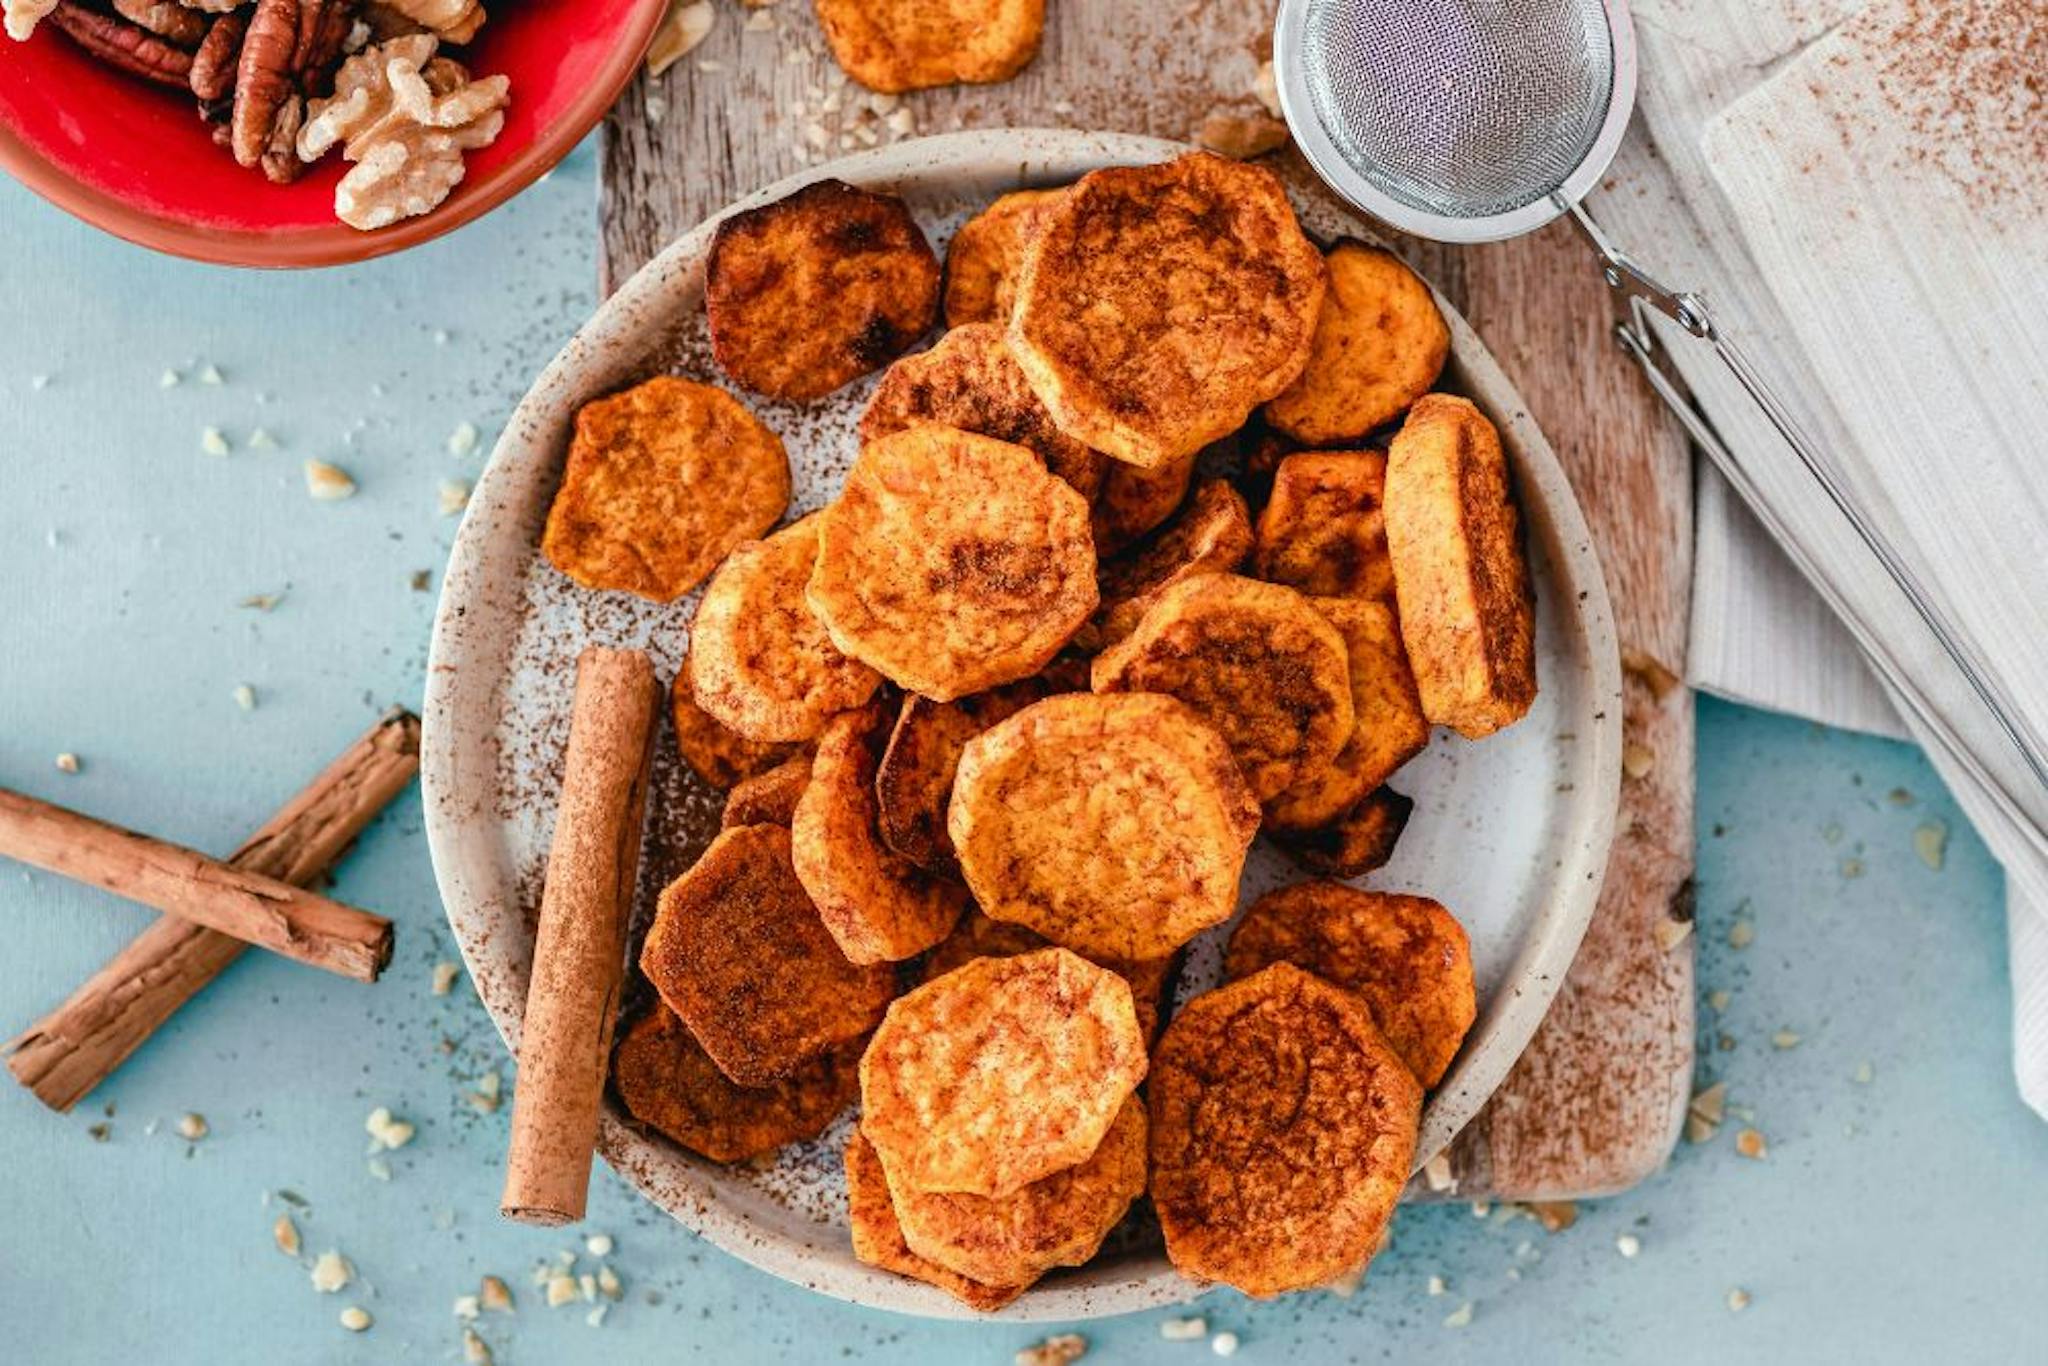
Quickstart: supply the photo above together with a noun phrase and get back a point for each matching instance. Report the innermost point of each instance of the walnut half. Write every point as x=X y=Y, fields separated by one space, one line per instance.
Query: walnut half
x=404 y=117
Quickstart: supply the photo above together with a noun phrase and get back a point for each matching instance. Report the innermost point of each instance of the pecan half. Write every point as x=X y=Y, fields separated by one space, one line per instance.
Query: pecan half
x=121 y=44
x=281 y=155
x=213 y=65
x=263 y=76
x=323 y=28
x=167 y=19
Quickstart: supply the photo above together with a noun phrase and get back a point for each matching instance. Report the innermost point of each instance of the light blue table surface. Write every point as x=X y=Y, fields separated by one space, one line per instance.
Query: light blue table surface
x=1902 y=1218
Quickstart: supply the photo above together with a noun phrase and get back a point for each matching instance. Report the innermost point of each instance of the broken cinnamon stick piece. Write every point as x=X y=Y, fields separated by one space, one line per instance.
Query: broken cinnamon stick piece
x=254 y=908
x=64 y=1055
x=579 y=954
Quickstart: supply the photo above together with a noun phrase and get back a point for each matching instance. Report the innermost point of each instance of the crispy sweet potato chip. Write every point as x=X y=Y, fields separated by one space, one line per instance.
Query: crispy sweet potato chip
x=761 y=661
x=984 y=257
x=662 y=480
x=1000 y=1073
x=669 y=1083
x=738 y=951
x=715 y=752
x=898 y=45
x=971 y=381
x=1323 y=530
x=915 y=778
x=1380 y=342
x=953 y=562
x=1283 y=1128
x=879 y=907
x=1387 y=729
x=1357 y=842
x=1212 y=535
x=1135 y=500
x=817 y=289
x=768 y=798
x=1116 y=825
x=1255 y=661
x=878 y=1237
x=1406 y=956
x=1468 y=613
x=978 y=936
x=1159 y=305
x=1057 y=1220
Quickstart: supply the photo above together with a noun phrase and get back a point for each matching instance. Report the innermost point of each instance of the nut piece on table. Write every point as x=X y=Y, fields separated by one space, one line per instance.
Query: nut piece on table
x=898 y=45
x=404 y=117
x=1468 y=613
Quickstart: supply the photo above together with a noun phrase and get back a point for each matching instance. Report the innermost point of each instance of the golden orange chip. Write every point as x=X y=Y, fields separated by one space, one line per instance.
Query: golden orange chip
x=878 y=1237
x=1000 y=1073
x=1134 y=501
x=1323 y=530
x=738 y=951
x=1380 y=342
x=661 y=481
x=1406 y=956
x=914 y=781
x=898 y=45
x=984 y=256
x=971 y=382
x=715 y=752
x=669 y=1083
x=768 y=798
x=953 y=562
x=1058 y=1220
x=817 y=289
x=1357 y=842
x=1255 y=661
x=879 y=907
x=1387 y=730
x=761 y=661
x=978 y=936
x=1212 y=535
x=1468 y=613
x=1159 y=305
x=1283 y=1129
x=1116 y=825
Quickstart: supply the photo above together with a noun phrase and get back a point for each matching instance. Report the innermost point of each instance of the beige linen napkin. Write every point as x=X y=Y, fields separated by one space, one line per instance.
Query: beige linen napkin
x=1870 y=217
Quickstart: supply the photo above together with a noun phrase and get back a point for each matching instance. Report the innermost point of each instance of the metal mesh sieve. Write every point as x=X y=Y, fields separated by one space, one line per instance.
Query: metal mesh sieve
x=1470 y=113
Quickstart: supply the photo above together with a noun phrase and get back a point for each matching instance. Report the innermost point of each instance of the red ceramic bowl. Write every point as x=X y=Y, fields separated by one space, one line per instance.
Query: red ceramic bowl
x=135 y=159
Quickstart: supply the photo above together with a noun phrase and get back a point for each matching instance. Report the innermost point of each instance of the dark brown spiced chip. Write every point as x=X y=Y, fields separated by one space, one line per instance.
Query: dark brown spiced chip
x=738 y=951
x=768 y=798
x=1211 y=535
x=1406 y=956
x=914 y=780
x=669 y=1083
x=1283 y=1130
x=1357 y=842
x=817 y=289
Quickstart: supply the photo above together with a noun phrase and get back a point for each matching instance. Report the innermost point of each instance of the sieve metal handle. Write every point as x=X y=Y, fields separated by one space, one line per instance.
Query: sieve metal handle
x=1643 y=291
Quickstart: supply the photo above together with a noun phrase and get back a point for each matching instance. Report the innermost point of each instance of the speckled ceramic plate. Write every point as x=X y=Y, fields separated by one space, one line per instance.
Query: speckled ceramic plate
x=1512 y=833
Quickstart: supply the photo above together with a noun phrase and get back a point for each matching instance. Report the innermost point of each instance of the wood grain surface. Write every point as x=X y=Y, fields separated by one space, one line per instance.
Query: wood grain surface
x=1595 y=1104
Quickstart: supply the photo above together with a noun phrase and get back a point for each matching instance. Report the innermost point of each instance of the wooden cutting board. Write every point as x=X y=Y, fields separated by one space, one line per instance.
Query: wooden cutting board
x=1596 y=1103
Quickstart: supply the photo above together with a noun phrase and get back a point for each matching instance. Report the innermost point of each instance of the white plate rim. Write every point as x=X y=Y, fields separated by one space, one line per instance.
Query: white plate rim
x=453 y=756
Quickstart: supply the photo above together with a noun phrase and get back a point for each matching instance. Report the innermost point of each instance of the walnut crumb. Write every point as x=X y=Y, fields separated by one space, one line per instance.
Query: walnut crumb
x=561 y=1290
x=1650 y=671
x=1555 y=1215
x=1741 y=934
x=495 y=1294
x=1437 y=1174
x=245 y=697
x=462 y=441
x=285 y=1234
x=1637 y=760
x=213 y=441
x=67 y=762
x=331 y=1272
x=385 y=1131
x=475 y=1350
x=1784 y=1039
x=1671 y=933
x=1750 y=1143
x=1057 y=1350
x=1184 y=1330
x=452 y=497
x=1628 y=1245
x=445 y=974
x=1738 y=1300
x=328 y=483
x=1461 y=1317
x=192 y=1127
x=355 y=1318
x=1224 y=1344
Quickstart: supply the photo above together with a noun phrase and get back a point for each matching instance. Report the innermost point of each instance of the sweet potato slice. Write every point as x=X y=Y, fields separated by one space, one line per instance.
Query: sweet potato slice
x=1387 y=728
x=661 y=481
x=899 y=45
x=878 y=1236
x=1135 y=500
x=1380 y=343
x=1323 y=529
x=738 y=951
x=768 y=798
x=984 y=257
x=1211 y=535
x=1468 y=613
x=669 y=1083
x=914 y=780
x=1283 y=1129
x=1357 y=842
x=1159 y=305
x=817 y=289
x=979 y=936
x=1406 y=956
x=715 y=752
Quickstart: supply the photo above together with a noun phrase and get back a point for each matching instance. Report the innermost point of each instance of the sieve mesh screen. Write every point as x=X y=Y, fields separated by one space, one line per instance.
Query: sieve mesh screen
x=1462 y=108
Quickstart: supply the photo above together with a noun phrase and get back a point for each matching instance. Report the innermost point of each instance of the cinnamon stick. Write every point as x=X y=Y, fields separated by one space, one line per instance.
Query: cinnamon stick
x=64 y=1055
x=579 y=955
